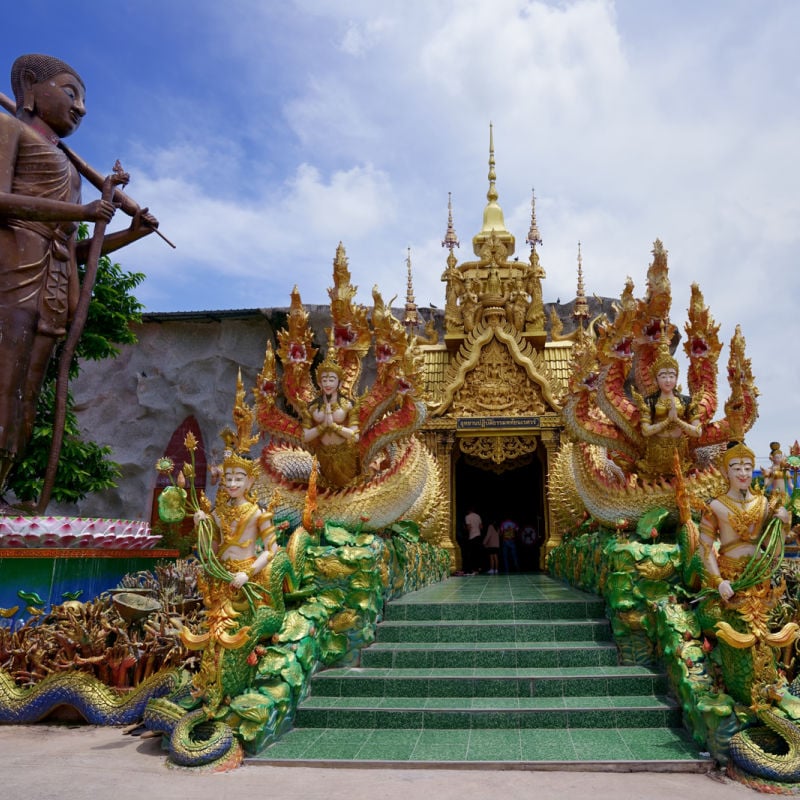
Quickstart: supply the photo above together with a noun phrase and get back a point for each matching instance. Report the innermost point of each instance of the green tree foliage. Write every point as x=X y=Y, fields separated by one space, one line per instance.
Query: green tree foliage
x=84 y=466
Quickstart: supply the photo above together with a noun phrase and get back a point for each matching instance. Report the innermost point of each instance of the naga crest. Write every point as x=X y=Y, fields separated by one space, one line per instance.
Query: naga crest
x=620 y=461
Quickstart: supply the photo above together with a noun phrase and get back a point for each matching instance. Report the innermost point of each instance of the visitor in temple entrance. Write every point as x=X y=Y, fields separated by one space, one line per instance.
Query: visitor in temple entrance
x=530 y=547
x=471 y=555
x=491 y=544
x=508 y=534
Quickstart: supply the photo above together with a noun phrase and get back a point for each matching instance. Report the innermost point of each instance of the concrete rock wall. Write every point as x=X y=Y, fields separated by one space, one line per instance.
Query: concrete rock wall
x=182 y=365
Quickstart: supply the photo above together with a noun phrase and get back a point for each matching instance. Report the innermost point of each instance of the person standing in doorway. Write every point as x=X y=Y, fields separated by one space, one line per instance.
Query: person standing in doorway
x=508 y=535
x=530 y=548
x=474 y=527
x=491 y=544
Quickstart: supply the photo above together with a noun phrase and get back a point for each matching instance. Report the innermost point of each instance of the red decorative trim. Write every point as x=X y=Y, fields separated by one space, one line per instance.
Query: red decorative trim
x=83 y=552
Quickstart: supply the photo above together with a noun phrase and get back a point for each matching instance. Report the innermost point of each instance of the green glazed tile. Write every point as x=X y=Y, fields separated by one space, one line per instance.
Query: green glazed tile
x=587 y=702
x=601 y=744
x=401 y=718
x=446 y=719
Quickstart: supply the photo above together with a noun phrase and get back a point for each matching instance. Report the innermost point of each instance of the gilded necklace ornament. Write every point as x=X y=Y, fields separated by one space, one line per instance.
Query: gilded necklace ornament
x=744 y=516
x=230 y=519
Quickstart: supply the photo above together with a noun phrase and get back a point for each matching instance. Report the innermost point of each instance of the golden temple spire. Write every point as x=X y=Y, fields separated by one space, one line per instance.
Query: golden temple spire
x=493 y=220
x=581 y=311
x=534 y=237
x=411 y=318
x=450 y=238
x=492 y=195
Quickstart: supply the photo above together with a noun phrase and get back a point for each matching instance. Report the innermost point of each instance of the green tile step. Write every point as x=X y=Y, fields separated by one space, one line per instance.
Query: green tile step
x=430 y=631
x=596 y=749
x=491 y=610
x=638 y=711
x=419 y=655
x=498 y=672
x=488 y=682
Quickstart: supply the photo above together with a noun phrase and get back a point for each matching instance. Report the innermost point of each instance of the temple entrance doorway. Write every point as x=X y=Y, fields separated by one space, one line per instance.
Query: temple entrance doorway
x=498 y=494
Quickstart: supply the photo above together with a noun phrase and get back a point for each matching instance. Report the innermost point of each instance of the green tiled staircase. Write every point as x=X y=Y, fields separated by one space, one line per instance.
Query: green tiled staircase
x=513 y=671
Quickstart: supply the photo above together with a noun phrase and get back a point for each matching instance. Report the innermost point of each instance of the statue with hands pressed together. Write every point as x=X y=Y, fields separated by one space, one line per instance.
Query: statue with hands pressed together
x=330 y=426
x=668 y=418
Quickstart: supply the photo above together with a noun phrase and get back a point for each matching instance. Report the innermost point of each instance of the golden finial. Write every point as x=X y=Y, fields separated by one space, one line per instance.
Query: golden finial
x=493 y=220
x=411 y=319
x=534 y=237
x=491 y=195
x=450 y=238
x=581 y=311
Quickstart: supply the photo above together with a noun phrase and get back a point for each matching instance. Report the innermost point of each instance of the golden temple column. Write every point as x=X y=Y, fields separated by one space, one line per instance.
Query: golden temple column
x=551 y=440
x=441 y=443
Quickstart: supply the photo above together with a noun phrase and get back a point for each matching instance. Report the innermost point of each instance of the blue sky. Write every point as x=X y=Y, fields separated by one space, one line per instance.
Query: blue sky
x=263 y=133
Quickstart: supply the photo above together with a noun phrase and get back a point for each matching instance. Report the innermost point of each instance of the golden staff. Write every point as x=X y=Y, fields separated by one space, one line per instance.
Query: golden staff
x=126 y=203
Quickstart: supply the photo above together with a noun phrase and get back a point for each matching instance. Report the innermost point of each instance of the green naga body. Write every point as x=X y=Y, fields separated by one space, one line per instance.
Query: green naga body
x=199 y=724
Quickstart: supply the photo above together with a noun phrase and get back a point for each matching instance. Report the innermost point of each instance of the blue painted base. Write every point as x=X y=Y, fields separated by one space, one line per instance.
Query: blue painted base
x=51 y=574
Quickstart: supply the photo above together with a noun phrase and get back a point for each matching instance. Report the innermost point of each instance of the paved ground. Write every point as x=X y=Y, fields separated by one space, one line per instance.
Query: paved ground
x=48 y=762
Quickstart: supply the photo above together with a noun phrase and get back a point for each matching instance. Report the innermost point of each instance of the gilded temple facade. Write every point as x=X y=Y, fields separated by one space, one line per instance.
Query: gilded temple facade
x=494 y=383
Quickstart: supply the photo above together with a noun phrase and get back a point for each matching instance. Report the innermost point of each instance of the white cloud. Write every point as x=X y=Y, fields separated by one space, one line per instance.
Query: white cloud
x=633 y=120
x=360 y=38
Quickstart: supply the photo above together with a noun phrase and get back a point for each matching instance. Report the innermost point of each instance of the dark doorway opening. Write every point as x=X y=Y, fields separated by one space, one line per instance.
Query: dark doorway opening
x=511 y=494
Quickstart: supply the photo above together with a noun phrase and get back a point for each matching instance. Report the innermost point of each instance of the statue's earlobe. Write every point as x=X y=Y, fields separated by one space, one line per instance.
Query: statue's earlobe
x=28 y=82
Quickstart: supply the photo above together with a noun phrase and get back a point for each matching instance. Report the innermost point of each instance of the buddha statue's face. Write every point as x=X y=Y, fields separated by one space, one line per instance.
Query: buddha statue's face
x=776 y=457
x=667 y=379
x=237 y=483
x=740 y=473
x=59 y=103
x=329 y=383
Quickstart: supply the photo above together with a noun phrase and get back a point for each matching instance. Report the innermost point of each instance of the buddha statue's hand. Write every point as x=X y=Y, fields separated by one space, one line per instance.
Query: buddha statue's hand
x=99 y=211
x=199 y=516
x=725 y=590
x=143 y=220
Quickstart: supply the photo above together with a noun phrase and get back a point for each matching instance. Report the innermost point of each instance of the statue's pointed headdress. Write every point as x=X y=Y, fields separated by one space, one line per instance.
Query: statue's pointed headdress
x=238 y=442
x=736 y=446
x=665 y=359
x=330 y=363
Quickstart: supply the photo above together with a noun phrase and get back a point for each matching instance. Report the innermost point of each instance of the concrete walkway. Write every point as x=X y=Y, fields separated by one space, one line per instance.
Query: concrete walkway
x=49 y=762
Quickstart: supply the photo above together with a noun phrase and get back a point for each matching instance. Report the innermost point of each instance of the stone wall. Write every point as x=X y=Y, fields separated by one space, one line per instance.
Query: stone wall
x=182 y=365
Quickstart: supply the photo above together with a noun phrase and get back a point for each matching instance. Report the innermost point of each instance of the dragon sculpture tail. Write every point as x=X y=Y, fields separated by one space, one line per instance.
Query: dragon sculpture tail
x=771 y=751
x=97 y=703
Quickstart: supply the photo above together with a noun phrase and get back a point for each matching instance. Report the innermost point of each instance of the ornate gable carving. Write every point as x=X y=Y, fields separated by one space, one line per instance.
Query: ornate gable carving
x=497 y=386
x=496 y=373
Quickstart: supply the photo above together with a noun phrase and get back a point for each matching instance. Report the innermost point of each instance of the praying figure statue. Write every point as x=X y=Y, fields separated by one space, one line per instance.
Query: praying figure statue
x=668 y=419
x=330 y=426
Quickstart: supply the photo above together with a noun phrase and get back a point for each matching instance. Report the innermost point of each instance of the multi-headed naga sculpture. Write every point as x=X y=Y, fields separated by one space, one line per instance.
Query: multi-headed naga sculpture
x=625 y=415
x=372 y=469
